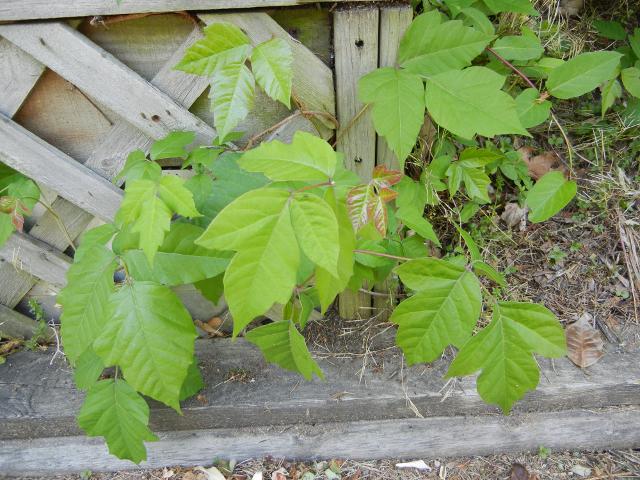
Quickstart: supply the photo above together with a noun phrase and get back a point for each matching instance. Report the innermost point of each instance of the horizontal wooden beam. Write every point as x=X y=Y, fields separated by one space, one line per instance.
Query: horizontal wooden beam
x=105 y=78
x=242 y=390
x=35 y=158
x=428 y=438
x=16 y=325
x=12 y=10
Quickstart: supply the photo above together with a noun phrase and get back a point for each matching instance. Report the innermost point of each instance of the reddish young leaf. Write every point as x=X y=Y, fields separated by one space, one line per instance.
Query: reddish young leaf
x=384 y=178
x=7 y=204
x=367 y=204
x=18 y=220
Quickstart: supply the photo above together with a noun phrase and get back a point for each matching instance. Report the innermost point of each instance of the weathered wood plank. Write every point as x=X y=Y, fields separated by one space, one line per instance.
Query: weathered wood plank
x=33 y=157
x=16 y=325
x=107 y=160
x=104 y=78
x=36 y=258
x=277 y=415
x=355 y=40
x=19 y=72
x=12 y=10
x=394 y=21
x=312 y=79
x=40 y=400
x=63 y=116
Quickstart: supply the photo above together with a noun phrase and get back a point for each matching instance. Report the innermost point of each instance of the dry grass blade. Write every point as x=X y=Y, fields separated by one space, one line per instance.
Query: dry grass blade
x=584 y=343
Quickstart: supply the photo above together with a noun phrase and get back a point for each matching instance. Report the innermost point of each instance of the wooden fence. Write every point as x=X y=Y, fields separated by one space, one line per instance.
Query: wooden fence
x=80 y=94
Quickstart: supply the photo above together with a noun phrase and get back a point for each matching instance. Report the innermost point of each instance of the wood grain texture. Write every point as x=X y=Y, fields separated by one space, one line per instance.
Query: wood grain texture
x=277 y=414
x=17 y=325
x=394 y=21
x=417 y=438
x=61 y=115
x=19 y=72
x=36 y=258
x=32 y=407
x=12 y=10
x=106 y=160
x=25 y=152
x=105 y=79
x=355 y=38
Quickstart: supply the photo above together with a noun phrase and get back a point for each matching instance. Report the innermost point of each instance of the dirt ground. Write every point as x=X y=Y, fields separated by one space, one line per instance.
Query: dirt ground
x=543 y=465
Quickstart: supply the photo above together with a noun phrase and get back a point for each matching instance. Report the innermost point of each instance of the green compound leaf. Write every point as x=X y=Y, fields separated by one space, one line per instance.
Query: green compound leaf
x=328 y=285
x=88 y=368
x=193 y=383
x=172 y=146
x=176 y=196
x=610 y=29
x=631 y=81
x=282 y=344
x=522 y=47
x=549 y=195
x=85 y=299
x=223 y=44
x=634 y=42
x=478 y=20
x=178 y=261
x=138 y=167
x=470 y=170
x=306 y=158
x=231 y=181
x=316 y=229
x=440 y=47
x=443 y=312
x=148 y=215
x=417 y=223
x=258 y=226
x=516 y=6
x=150 y=335
x=398 y=106
x=6 y=227
x=531 y=111
x=232 y=97
x=471 y=102
x=115 y=411
x=271 y=63
x=504 y=352
x=583 y=73
x=610 y=91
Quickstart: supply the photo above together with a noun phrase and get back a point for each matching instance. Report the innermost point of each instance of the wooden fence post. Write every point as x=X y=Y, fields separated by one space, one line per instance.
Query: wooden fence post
x=394 y=21
x=356 y=54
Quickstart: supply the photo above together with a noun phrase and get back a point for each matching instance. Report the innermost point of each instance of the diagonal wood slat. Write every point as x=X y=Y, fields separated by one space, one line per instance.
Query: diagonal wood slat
x=33 y=157
x=108 y=159
x=12 y=10
x=105 y=79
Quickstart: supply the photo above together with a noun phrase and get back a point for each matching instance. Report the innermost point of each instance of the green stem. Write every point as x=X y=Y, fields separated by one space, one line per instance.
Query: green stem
x=528 y=81
x=328 y=183
x=385 y=255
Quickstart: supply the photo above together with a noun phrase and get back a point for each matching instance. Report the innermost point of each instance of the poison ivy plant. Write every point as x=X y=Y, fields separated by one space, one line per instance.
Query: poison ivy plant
x=285 y=224
x=222 y=55
x=18 y=196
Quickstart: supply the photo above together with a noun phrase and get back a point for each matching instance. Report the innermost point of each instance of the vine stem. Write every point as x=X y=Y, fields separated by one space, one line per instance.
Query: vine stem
x=284 y=121
x=385 y=255
x=329 y=183
x=58 y=220
x=528 y=81
x=351 y=123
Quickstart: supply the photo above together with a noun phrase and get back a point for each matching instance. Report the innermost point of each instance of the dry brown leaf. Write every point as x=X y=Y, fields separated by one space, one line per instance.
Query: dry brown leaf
x=514 y=216
x=519 y=472
x=539 y=165
x=571 y=8
x=211 y=327
x=279 y=474
x=584 y=343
